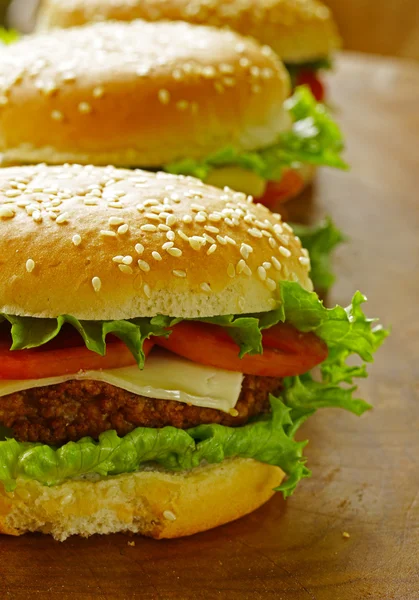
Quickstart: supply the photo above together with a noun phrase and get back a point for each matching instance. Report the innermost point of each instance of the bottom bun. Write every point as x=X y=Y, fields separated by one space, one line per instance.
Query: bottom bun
x=153 y=502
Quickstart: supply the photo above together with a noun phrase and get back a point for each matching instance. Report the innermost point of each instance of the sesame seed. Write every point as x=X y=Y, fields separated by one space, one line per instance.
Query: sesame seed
x=6 y=212
x=167 y=245
x=230 y=240
x=267 y=265
x=12 y=193
x=179 y=273
x=170 y=235
x=276 y=263
x=163 y=227
x=76 y=239
x=127 y=260
x=271 y=284
x=125 y=269
x=262 y=273
x=182 y=235
x=98 y=92
x=221 y=240
x=107 y=233
x=84 y=108
x=96 y=283
x=182 y=104
x=36 y=216
x=231 y=271
x=62 y=218
x=272 y=242
x=278 y=229
x=304 y=261
x=147 y=290
x=139 y=248
x=164 y=96
x=215 y=217
x=209 y=239
x=254 y=232
x=169 y=515
x=123 y=228
x=156 y=255
x=284 y=251
x=115 y=205
x=212 y=249
x=241 y=265
x=245 y=250
x=174 y=252
x=212 y=229
x=116 y=221
x=187 y=219
x=30 y=265
x=90 y=202
x=247 y=271
x=57 y=115
x=144 y=266
x=148 y=227
x=118 y=259
x=196 y=242
x=205 y=287
x=170 y=220
x=200 y=217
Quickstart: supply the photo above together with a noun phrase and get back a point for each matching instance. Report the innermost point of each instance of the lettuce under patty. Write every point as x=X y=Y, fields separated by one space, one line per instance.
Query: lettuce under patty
x=315 y=139
x=269 y=439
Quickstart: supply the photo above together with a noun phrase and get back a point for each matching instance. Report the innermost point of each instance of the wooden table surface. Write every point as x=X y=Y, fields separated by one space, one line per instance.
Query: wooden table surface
x=365 y=471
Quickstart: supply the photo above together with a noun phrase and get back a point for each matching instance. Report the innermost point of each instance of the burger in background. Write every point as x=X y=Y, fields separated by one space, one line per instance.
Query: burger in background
x=156 y=344
x=182 y=98
x=302 y=33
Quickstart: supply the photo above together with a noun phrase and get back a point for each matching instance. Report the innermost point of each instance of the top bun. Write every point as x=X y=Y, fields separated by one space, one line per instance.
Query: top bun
x=298 y=30
x=106 y=243
x=138 y=94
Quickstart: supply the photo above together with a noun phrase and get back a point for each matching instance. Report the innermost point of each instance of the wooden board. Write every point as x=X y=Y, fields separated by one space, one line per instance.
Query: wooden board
x=365 y=471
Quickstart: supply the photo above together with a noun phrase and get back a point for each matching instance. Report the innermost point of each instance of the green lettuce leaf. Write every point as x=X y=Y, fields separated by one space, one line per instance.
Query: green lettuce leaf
x=314 y=139
x=30 y=332
x=8 y=36
x=267 y=440
x=320 y=241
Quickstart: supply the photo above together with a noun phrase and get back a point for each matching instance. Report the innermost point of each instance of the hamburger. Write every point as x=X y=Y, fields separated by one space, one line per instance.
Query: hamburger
x=171 y=96
x=302 y=33
x=157 y=338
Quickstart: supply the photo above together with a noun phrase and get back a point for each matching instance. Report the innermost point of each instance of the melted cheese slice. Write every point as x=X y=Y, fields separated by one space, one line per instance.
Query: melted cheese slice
x=165 y=376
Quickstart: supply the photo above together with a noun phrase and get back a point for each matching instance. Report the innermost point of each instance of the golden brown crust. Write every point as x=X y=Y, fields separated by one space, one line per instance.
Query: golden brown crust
x=106 y=243
x=154 y=503
x=298 y=30
x=137 y=94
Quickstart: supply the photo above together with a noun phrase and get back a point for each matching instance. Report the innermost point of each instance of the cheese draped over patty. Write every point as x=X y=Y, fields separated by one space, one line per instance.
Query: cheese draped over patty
x=165 y=376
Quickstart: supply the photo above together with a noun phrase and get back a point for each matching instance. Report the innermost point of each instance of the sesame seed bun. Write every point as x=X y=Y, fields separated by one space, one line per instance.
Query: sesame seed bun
x=156 y=503
x=298 y=30
x=106 y=243
x=138 y=94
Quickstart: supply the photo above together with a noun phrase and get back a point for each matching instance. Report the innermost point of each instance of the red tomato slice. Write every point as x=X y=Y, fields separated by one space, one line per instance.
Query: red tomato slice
x=311 y=79
x=286 y=350
x=290 y=185
x=41 y=362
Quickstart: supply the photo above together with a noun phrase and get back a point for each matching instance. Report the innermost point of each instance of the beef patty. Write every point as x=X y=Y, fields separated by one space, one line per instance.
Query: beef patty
x=69 y=411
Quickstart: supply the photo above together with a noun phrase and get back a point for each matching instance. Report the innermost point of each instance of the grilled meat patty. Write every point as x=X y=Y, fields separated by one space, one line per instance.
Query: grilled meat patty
x=69 y=411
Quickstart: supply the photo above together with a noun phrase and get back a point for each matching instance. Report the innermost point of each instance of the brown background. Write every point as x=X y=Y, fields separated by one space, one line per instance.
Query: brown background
x=365 y=471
